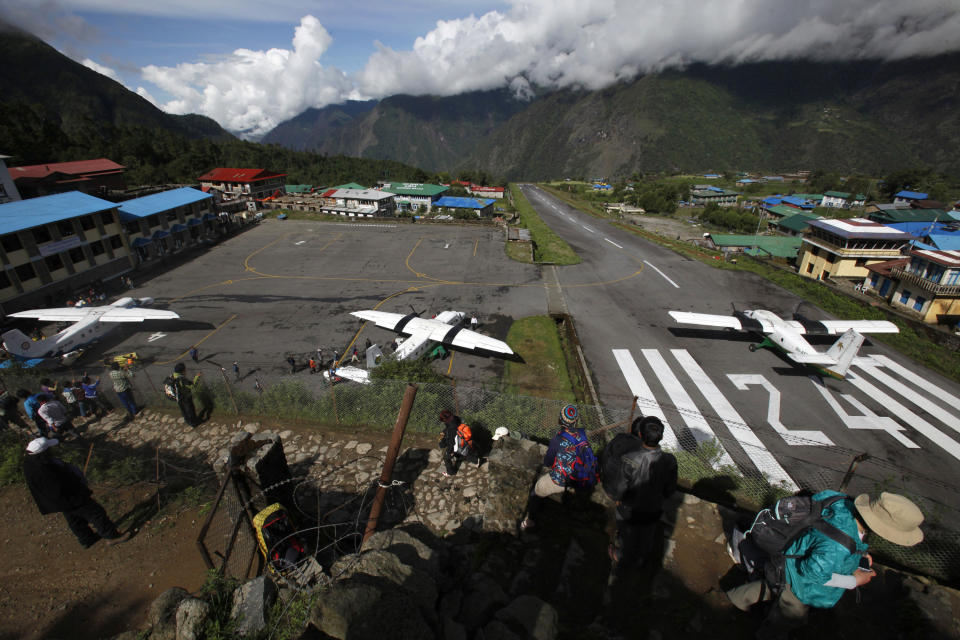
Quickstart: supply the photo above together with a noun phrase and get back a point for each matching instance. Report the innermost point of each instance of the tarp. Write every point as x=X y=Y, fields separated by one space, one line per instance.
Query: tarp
x=160 y=233
x=178 y=227
x=139 y=242
x=193 y=222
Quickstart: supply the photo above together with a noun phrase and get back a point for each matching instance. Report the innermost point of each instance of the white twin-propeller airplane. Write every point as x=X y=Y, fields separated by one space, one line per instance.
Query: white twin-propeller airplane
x=787 y=335
x=446 y=328
x=89 y=324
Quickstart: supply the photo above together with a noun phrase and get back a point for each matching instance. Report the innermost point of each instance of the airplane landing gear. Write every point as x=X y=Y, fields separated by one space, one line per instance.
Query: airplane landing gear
x=752 y=347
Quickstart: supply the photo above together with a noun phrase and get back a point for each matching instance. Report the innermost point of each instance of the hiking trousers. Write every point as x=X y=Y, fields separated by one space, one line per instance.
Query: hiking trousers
x=787 y=613
x=90 y=513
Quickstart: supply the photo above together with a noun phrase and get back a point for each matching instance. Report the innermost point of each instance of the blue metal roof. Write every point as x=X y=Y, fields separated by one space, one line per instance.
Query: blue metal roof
x=160 y=202
x=33 y=212
x=455 y=202
x=913 y=195
x=946 y=241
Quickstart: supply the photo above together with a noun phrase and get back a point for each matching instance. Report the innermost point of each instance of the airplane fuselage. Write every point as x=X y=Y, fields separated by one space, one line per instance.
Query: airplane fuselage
x=782 y=335
x=415 y=346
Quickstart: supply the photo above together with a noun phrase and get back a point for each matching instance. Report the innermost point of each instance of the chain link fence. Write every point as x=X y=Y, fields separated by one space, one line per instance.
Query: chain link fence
x=721 y=467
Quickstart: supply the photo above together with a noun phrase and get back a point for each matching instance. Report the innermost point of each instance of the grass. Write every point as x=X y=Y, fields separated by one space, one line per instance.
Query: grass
x=537 y=341
x=520 y=252
x=547 y=245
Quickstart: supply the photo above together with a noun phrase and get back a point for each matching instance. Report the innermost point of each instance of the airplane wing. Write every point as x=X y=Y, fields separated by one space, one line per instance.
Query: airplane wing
x=812 y=358
x=136 y=314
x=453 y=335
x=838 y=327
x=61 y=314
x=724 y=322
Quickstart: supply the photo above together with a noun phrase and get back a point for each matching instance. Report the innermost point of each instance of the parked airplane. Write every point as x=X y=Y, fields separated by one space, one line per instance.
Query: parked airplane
x=446 y=328
x=787 y=335
x=89 y=324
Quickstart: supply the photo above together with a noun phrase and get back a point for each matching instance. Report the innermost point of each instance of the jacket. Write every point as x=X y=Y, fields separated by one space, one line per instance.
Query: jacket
x=610 y=461
x=55 y=485
x=648 y=476
x=819 y=557
x=449 y=435
x=185 y=386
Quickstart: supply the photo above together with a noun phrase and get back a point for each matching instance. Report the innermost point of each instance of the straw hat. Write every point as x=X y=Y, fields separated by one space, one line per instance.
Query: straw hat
x=892 y=517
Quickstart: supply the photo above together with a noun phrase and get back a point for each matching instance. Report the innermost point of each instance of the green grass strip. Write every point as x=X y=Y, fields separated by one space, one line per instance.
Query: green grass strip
x=543 y=372
x=547 y=245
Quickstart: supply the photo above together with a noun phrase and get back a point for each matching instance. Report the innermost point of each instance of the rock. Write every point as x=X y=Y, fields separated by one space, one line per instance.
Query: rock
x=669 y=547
x=469 y=492
x=453 y=630
x=363 y=448
x=496 y=630
x=383 y=564
x=408 y=548
x=689 y=498
x=251 y=604
x=251 y=427
x=351 y=444
x=483 y=597
x=369 y=607
x=162 y=616
x=532 y=616
x=191 y=618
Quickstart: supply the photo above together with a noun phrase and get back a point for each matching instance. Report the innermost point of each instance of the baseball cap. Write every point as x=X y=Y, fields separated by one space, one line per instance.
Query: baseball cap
x=38 y=445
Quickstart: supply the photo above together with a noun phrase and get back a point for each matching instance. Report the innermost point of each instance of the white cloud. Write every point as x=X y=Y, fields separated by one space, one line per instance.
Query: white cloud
x=101 y=69
x=146 y=95
x=252 y=91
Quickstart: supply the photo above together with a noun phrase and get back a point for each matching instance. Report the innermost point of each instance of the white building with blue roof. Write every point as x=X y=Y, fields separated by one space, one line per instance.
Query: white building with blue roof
x=52 y=245
x=167 y=222
x=479 y=206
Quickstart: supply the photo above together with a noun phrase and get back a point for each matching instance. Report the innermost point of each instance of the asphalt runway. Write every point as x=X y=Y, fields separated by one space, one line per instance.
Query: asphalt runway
x=772 y=417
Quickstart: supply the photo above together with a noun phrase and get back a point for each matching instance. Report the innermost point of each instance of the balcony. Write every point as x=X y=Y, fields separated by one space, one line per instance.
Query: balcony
x=943 y=290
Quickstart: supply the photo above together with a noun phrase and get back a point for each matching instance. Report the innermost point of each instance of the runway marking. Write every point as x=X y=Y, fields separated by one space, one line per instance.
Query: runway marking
x=156 y=336
x=201 y=341
x=868 y=419
x=299 y=243
x=758 y=453
x=587 y=228
x=613 y=243
x=696 y=423
x=662 y=274
x=645 y=398
x=911 y=376
x=924 y=403
x=792 y=437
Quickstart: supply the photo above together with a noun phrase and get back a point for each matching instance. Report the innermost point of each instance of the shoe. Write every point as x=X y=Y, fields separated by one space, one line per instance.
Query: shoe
x=112 y=542
x=526 y=524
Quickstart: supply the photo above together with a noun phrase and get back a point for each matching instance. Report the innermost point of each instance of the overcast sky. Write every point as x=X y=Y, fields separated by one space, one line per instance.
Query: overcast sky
x=250 y=65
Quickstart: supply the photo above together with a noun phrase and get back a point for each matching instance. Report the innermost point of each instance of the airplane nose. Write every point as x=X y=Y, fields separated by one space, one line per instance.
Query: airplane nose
x=146 y=301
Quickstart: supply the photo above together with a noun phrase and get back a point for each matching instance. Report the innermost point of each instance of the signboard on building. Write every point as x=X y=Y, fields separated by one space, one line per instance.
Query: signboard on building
x=50 y=248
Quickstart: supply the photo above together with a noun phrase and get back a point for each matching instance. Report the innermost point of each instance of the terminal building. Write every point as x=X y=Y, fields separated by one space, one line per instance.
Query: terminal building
x=840 y=248
x=167 y=222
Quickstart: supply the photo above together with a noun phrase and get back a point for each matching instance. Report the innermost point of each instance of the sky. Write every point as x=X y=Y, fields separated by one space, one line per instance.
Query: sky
x=251 y=65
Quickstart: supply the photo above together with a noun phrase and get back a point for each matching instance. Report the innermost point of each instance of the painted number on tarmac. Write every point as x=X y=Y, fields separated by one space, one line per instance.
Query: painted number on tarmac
x=156 y=336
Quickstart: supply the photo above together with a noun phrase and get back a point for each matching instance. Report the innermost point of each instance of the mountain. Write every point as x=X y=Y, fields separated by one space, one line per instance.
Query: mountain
x=432 y=132
x=78 y=98
x=865 y=116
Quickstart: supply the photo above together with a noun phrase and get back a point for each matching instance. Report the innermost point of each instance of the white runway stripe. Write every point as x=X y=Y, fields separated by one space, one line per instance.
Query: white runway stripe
x=927 y=405
x=662 y=274
x=645 y=400
x=912 y=377
x=699 y=427
x=752 y=445
x=613 y=243
x=910 y=418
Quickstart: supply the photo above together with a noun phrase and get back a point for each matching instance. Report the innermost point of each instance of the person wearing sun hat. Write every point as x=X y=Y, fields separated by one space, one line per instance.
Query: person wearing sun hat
x=57 y=486
x=819 y=568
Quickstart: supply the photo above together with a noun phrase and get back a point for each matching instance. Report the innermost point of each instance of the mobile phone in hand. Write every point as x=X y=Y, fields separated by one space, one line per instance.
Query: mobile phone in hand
x=865 y=563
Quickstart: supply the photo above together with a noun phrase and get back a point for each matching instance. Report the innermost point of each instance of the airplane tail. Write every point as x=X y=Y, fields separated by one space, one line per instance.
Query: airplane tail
x=19 y=344
x=844 y=350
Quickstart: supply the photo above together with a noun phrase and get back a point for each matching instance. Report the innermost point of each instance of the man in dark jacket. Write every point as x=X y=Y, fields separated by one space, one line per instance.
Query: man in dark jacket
x=610 y=459
x=185 y=387
x=60 y=487
x=648 y=476
x=453 y=457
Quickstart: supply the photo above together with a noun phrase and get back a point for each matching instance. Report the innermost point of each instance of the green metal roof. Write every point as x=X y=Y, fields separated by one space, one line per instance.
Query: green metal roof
x=415 y=189
x=786 y=210
x=809 y=196
x=350 y=185
x=298 y=188
x=796 y=222
x=909 y=215
x=776 y=246
x=837 y=194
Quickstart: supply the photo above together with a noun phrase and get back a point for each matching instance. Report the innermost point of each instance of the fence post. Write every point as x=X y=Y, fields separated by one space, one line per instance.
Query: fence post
x=333 y=395
x=456 y=398
x=223 y=372
x=395 y=442
x=633 y=409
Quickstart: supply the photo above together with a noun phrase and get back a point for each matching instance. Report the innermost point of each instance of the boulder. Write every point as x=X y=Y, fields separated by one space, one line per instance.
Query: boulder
x=496 y=630
x=364 y=606
x=530 y=615
x=384 y=564
x=251 y=605
x=409 y=549
x=162 y=616
x=483 y=597
x=191 y=616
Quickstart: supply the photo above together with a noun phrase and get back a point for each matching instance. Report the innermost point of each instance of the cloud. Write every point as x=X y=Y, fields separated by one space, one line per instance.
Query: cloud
x=146 y=95
x=101 y=69
x=252 y=91
x=560 y=43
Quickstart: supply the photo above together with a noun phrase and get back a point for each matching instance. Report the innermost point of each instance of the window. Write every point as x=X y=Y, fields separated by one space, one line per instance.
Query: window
x=11 y=242
x=861 y=262
x=171 y=215
x=815 y=251
x=904 y=296
x=65 y=227
x=874 y=279
x=76 y=255
x=87 y=223
x=41 y=235
x=106 y=217
x=25 y=272
x=153 y=221
x=115 y=242
x=54 y=262
x=4 y=280
x=97 y=247
x=918 y=304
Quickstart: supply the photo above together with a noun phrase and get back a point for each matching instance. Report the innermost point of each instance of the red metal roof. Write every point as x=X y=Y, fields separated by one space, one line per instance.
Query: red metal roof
x=221 y=174
x=75 y=168
x=493 y=189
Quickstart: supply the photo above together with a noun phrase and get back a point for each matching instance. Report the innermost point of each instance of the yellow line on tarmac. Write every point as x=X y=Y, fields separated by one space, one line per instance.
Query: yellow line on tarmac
x=475 y=247
x=197 y=344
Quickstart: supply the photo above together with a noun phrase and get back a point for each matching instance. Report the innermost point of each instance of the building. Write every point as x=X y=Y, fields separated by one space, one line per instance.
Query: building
x=891 y=215
x=51 y=246
x=486 y=192
x=167 y=222
x=243 y=184
x=357 y=203
x=761 y=246
x=907 y=198
x=479 y=206
x=842 y=200
x=410 y=196
x=794 y=225
x=835 y=248
x=298 y=188
x=715 y=195
x=8 y=190
x=96 y=177
x=926 y=283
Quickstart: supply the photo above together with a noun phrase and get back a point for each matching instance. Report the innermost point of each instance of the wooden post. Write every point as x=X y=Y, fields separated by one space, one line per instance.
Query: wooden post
x=456 y=398
x=85 y=464
x=848 y=476
x=392 y=451
x=223 y=372
x=333 y=395
x=633 y=409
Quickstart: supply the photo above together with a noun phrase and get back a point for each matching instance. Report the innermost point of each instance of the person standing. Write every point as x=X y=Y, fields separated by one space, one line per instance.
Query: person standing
x=456 y=442
x=257 y=386
x=293 y=364
x=95 y=402
x=648 y=476
x=31 y=403
x=313 y=365
x=194 y=355
x=185 y=388
x=123 y=389
x=236 y=370
x=73 y=396
x=355 y=357
x=60 y=487
x=10 y=411
x=568 y=447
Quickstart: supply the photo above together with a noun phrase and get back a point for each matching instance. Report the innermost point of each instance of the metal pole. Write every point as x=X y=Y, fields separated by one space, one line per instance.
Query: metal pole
x=223 y=373
x=456 y=398
x=333 y=395
x=392 y=452
x=633 y=408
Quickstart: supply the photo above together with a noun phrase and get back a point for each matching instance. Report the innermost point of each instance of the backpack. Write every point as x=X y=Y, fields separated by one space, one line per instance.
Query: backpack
x=279 y=543
x=762 y=551
x=611 y=463
x=575 y=462
x=170 y=388
x=463 y=442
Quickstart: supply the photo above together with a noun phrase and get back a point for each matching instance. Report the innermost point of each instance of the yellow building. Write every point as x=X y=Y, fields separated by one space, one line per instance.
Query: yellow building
x=843 y=248
x=927 y=284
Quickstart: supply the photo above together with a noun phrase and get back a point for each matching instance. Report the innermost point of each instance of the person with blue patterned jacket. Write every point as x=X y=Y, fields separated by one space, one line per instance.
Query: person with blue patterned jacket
x=819 y=569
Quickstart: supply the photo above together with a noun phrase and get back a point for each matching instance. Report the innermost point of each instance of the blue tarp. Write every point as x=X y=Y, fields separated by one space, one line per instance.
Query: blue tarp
x=140 y=242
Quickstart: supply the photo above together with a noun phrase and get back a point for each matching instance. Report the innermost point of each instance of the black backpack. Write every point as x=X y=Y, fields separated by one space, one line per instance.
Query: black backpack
x=170 y=388
x=762 y=551
x=611 y=463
